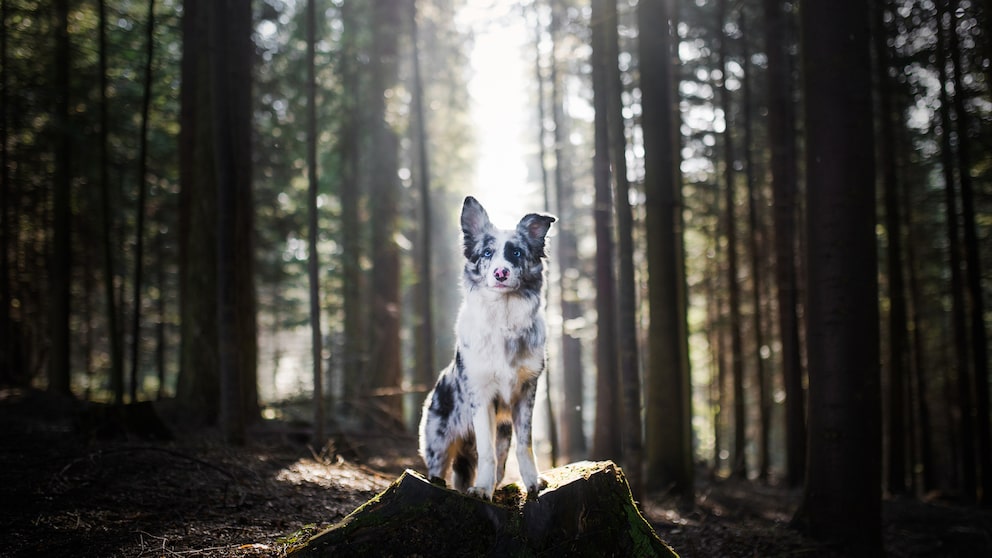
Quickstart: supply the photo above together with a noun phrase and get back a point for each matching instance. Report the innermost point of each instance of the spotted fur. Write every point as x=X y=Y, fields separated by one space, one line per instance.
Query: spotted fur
x=487 y=392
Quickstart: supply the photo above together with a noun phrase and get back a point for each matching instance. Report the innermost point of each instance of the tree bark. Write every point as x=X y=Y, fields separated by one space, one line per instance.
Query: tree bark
x=898 y=341
x=739 y=458
x=842 y=501
x=60 y=270
x=139 y=233
x=385 y=190
x=756 y=237
x=667 y=397
x=782 y=133
x=605 y=444
x=965 y=418
x=313 y=257
x=587 y=510
x=573 y=440
x=973 y=260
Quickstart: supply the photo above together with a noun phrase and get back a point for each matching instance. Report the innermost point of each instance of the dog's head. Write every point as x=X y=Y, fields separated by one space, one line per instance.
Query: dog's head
x=503 y=260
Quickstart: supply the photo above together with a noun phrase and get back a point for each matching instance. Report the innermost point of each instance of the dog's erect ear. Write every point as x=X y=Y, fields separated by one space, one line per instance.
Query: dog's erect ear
x=475 y=221
x=535 y=228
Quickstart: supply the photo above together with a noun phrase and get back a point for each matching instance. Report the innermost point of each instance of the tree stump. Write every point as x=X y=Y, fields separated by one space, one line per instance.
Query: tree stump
x=587 y=510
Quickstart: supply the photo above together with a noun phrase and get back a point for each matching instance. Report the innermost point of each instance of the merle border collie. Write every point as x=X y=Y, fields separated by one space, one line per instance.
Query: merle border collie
x=488 y=390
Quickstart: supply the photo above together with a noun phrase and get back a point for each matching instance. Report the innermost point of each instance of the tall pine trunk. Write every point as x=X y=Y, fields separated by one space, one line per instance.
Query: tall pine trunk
x=739 y=456
x=385 y=191
x=964 y=384
x=425 y=272
x=60 y=269
x=842 y=502
x=898 y=341
x=350 y=148
x=606 y=444
x=573 y=440
x=667 y=396
x=627 y=363
x=106 y=218
x=313 y=257
x=139 y=251
x=755 y=238
x=973 y=277
x=781 y=134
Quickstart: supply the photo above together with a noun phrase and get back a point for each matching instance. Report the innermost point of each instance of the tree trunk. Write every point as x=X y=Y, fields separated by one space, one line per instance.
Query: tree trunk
x=313 y=257
x=8 y=375
x=106 y=218
x=60 y=270
x=573 y=440
x=739 y=456
x=546 y=189
x=198 y=386
x=587 y=510
x=898 y=345
x=385 y=190
x=605 y=444
x=667 y=397
x=426 y=372
x=630 y=374
x=973 y=276
x=139 y=233
x=782 y=133
x=228 y=22
x=966 y=425
x=756 y=238
x=355 y=342
x=843 y=494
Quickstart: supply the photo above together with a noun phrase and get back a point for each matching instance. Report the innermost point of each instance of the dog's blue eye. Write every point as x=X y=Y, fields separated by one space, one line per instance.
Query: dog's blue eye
x=487 y=253
x=517 y=253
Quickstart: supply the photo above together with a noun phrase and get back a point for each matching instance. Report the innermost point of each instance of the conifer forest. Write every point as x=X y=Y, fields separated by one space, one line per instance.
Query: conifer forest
x=231 y=262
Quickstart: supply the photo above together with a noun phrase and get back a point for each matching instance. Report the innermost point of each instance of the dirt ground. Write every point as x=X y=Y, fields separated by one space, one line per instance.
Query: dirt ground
x=69 y=486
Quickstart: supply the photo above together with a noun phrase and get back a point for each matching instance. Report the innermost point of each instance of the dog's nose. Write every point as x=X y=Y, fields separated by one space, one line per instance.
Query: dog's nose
x=502 y=274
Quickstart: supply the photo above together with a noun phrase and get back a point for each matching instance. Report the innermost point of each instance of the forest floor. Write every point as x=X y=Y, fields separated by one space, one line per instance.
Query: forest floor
x=77 y=483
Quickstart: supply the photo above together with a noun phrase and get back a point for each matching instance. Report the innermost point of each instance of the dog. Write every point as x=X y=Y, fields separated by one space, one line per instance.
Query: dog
x=488 y=390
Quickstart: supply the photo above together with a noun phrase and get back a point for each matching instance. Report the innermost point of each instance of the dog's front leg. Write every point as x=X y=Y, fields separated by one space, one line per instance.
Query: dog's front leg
x=484 y=422
x=523 y=413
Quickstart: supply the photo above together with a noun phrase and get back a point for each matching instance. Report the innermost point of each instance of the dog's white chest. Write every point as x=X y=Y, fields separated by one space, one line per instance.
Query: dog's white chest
x=502 y=342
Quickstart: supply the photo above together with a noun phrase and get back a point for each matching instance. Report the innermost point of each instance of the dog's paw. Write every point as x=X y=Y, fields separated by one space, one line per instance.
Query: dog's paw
x=534 y=489
x=481 y=492
x=439 y=482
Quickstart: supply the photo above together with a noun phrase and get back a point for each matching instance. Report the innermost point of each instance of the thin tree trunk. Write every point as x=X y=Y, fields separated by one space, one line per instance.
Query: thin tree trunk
x=425 y=273
x=385 y=253
x=969 y=482
x=573 y=376
x=782 y=133
x=313 y=260
x=139 y=251
x=668 y=401
x=756 y=240
x=350 y=148
x=110 y=293
x=546 y=188
x=60 y=270
x=606 y=444
x=919 y=369
x=898 y=343
x=739 y=463
x=842 y=500
x=630 y=376
x=973 y=275
x=7 y=373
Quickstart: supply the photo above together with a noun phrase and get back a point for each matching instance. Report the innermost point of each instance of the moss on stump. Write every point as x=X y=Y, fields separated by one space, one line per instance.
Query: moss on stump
x=587 y=510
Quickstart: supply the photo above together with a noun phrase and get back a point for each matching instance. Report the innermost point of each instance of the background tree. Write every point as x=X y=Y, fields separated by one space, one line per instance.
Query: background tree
x=668 y=429
x=842 y=498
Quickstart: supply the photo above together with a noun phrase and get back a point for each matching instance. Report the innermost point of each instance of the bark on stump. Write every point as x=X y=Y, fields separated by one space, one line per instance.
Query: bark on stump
x=587 y=510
